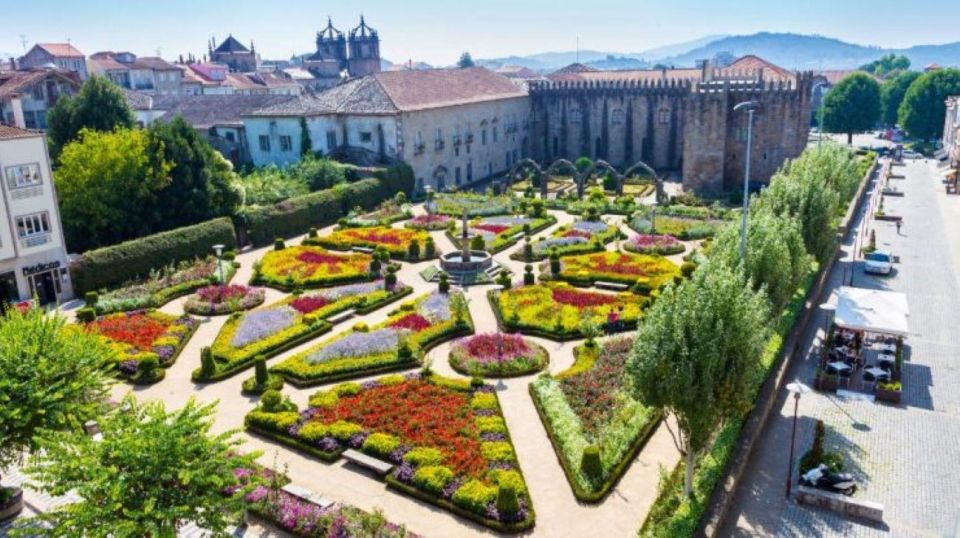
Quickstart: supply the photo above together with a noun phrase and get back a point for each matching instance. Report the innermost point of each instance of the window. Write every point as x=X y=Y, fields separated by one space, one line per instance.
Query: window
x=495 y=131
x=24 y=175
x=483 y=137
x=286 y=143
x=229 y=136
x=468 y=149
x=331 y=140
x=469 y=172
x=264 y=143
x=35 y=224
x=456 y=174
x=366 y=137
x=664 y=116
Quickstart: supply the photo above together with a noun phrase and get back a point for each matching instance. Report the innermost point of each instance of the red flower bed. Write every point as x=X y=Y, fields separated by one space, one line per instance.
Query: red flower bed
x=582 y=299
x=420 y=414
x=414 y=322
x=223 y=294
x=317 y=258
x=135 y=328
x=492 y=228
x=391 y=237
x=577 y=233
x=308 y=304
x=484 y=346
x=592 y=394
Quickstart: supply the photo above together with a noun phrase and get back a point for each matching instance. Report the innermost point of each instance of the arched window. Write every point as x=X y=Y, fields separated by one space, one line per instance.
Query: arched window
x=618 y=117
x=576 y=115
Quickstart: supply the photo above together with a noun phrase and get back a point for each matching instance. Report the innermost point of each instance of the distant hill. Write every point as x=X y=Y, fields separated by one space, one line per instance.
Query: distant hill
x=795 y=51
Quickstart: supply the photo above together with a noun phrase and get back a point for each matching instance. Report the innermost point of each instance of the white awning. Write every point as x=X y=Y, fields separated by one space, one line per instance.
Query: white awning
x=873 y=311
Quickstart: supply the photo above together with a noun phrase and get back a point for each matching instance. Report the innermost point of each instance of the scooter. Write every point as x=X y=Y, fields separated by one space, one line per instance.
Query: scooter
x=821 y=477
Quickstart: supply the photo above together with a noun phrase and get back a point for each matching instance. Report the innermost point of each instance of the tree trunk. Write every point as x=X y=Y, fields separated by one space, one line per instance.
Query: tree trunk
x=849 y=139
x=688 y=479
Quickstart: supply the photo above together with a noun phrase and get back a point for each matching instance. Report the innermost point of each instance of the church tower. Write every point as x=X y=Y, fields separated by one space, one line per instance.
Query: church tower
x=364 y=50
x=331 y=46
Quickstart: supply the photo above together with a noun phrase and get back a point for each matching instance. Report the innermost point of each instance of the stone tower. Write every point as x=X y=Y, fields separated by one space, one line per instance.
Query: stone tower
x=364 y=45
x=331 y=45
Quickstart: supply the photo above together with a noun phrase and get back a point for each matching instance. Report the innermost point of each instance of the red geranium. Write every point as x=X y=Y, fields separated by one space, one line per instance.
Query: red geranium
x=577 y=233
x=222 y=294
x=414 y=322
x=492 y=228
x=136 y=329
x=497 y=345
x=317 y=258
x=582 y=299
x=308 y=304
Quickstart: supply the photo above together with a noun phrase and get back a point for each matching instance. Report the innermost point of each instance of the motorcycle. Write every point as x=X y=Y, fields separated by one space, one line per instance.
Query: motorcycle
x=821 y=477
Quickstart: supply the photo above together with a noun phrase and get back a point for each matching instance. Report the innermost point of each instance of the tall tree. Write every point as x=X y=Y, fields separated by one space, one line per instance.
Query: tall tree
x=804 y=196
x=151 y=472
x=924 y=108
x=202 y=183
x=100 y=105
x=107 y=183
x=53 y=376
x=891 y=95
x=885 y=65
x=697 y=355
x=852 y=106
x=465 y=60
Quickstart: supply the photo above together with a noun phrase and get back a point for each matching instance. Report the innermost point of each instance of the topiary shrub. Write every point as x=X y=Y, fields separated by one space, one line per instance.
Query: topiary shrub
x=528 y=278
x=444 y=285
x=312 y=233
x=477 y=243
x=271 y=401
x=555 y=263
x=207 y=365
x=504 y=280
x=507 y=502
x=278 y=244
x=375 y=266
x=390 y=280
x=91 y=298
x=687 y=269
x=429 y=248
x=260 y=369
x=590 y=464
x=527 y=251
x=86 y=315
x=413 y=251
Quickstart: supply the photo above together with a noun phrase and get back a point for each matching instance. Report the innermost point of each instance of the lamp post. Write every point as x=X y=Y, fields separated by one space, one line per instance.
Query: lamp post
x=750 y=107
x=797 y=389
x=819 y=114
x=218 y=248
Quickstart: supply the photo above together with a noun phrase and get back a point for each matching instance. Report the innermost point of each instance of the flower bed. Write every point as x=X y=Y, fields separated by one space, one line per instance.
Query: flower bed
x=163 y=286
x=430 y=222
x=396 y=343
x=223 y=299
x=477 y=205
x=310 y=267
x=144 y=334
x=685 y=229
x=581 y=236
x=498 y=355
x=586 y=406
x=448 y=440
x=395 y=240
x=501 y=232
x=280 y=326
x=648 y=273
x=624 y=205
x=556 y=310
x=664 y=245
x=386 y=214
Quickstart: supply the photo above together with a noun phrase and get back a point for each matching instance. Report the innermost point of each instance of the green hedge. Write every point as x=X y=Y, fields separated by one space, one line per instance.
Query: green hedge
x=113 y=265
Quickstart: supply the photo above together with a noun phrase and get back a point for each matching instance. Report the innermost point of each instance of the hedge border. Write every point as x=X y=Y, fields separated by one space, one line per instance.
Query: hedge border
x=326 y=457
x=543 y=333
x=618 y=470
x=405 y=257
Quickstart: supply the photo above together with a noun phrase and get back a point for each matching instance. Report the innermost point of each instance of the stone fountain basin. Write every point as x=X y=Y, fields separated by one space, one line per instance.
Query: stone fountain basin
x=479 y=261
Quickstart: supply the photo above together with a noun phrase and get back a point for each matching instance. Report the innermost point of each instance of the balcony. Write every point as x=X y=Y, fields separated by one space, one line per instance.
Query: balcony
x=457 y=140
x=35 y=240
x=438 y=145
x=469 y=138
x=418 y=149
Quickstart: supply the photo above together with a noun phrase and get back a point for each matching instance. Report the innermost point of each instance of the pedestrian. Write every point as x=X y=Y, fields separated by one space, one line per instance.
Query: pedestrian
x=898 y=226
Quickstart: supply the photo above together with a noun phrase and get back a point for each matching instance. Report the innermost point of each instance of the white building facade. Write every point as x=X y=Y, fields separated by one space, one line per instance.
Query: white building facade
x=33 y=257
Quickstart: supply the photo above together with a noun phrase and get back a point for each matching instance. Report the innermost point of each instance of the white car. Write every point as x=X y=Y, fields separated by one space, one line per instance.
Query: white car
x=879 y=262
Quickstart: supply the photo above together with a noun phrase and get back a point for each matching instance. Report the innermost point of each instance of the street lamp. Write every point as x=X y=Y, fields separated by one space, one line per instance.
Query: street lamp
x=218 y=248
x=797 y=389
x=820 y=109
x=750 y=107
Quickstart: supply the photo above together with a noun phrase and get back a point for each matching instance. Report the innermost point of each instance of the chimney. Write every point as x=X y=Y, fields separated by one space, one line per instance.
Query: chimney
x=17 y=106
x=706 y=70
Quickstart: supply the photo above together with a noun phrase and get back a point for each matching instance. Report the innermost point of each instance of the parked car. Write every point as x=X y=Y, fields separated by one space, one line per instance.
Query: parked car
x=879 y=262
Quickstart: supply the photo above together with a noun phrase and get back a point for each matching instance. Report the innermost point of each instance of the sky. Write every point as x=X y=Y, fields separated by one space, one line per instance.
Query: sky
x=438 y=31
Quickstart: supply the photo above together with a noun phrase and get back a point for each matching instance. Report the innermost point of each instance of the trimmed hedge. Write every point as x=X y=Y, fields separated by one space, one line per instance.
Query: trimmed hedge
x=113 y=265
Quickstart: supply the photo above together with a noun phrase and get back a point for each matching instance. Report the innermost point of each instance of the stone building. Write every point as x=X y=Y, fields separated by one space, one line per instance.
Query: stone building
x=453 y=126
x=679 y=121
x=339 y=57
x=29 y=94
x=146 y=74
x=234 y=55
x=61 y=55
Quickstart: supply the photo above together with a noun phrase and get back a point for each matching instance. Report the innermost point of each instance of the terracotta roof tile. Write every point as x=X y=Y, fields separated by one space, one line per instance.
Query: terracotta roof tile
x=61 y=49
x=434 y=88
x=9 y=132
x=17 y=81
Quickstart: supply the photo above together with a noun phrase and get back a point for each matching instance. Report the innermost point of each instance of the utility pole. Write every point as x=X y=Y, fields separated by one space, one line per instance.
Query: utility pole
x=751 y=107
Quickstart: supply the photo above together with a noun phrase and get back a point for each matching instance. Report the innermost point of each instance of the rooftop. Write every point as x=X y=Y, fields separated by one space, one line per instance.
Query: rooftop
x=744 y=66
x=61 y=49
x=17 y=81
x=205 y=111
x=9 y=132
x=230 y=44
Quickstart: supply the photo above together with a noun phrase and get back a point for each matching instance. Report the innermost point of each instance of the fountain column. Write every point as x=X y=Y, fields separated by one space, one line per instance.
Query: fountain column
x=465 y=257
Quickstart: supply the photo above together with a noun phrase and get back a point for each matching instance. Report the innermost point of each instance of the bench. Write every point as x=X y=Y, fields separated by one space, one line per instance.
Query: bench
x=359 y=458
x=341 y=316
x=841 y=504
x=517 y=237
x=603 y=284
x=365 y=250
x=307 y=495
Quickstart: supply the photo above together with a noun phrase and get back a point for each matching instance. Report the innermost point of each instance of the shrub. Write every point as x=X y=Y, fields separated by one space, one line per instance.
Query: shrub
x=413 y=251
x=477 y=243
x=474 y=495
x=433 y=478
x=110 y=266
x=504 y=280
x=381 y=444
x=278 y=244
x=429 y=248
x=312 y=233
x=527 y=250
x=86 y=315
x=207 y=366
x=528 y=278
x=554 y=263
x=312 y=432
x=342 y=430
x=444 y=285
x=423 y=456
x=271 y=401
x=275 y=422
x=687 y=268
x=90 y=299
x=390 y=279
x=507 y=502
x=590 y=464
x=260 y=369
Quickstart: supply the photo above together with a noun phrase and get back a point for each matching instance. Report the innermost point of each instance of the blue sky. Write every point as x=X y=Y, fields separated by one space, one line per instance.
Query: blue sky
x=437 y=31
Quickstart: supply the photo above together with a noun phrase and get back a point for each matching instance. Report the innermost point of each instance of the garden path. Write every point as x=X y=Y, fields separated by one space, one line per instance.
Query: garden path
x=559 y=513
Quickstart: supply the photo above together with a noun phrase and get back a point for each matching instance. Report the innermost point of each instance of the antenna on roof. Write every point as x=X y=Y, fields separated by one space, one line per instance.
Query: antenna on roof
x=23 y=42
x=578 y=49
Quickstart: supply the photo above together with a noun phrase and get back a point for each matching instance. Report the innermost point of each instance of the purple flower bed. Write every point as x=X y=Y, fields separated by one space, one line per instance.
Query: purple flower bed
x=339 y=292
x=258 y=325
x=507 y=221
x=357 y=344
x=591 y=227
x=541 y=247
x=654 y=244
x=436 y=307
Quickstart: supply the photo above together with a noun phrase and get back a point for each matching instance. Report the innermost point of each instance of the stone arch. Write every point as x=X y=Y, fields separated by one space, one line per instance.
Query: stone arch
x=563 y=164
x=599 y=166
x=527 y=165
x=657 y=180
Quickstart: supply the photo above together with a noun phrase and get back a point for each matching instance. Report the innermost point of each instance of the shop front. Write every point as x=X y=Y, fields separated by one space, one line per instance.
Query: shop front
x=46 y=281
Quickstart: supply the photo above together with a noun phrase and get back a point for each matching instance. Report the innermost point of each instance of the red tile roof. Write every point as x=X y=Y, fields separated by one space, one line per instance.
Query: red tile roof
x=9 y=132
x=65 y=50
x=17 y=81
x=434 y=88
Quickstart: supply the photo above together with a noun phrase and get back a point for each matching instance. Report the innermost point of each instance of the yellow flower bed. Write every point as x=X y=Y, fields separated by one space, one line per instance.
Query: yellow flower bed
x=624 y=267
x=558 y=308
x=395 y=240
x=311 y=267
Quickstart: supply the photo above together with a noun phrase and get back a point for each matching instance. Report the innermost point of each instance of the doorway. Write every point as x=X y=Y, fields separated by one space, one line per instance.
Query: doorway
x=45 y=286
x=9 y=293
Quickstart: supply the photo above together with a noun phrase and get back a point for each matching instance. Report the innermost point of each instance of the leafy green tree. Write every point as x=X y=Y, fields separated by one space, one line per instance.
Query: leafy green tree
x=697 y=355
x=809 y=200
x=53 y=376
x=100 y=105
x=108 y=184
x=202 y=183
x=776 y=260
x=885 y=65
x=318 y=172
x=269 y=185
x=151 y=472
x=892 y=92
x=466 y=60
x=852 y=106
x=924 y=108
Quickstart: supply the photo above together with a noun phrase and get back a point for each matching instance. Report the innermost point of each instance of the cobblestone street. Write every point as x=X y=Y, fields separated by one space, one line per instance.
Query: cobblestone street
x=905 y=456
